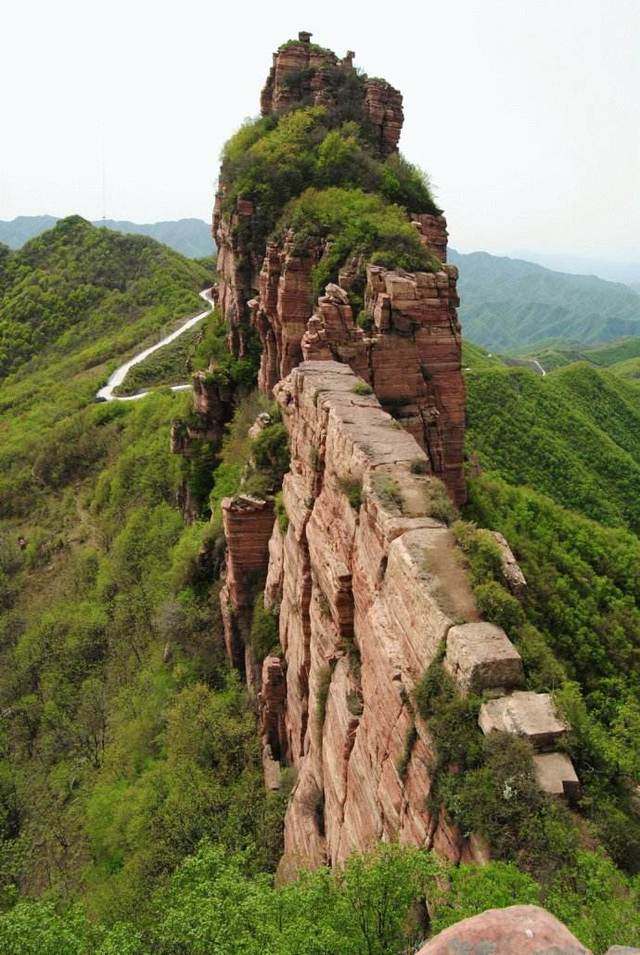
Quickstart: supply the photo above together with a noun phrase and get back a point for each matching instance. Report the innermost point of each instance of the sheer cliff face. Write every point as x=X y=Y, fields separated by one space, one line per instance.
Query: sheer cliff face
x=411 y=355
x=366 y=580
x=368 y=585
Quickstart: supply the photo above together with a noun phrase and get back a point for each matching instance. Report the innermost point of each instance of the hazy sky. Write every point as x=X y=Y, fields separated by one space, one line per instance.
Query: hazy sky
x=524 y=112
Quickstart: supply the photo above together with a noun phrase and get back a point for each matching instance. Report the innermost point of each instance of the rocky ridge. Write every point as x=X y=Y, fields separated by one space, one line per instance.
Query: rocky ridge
x=369 y=587
x=411 y=353
x=364 y=574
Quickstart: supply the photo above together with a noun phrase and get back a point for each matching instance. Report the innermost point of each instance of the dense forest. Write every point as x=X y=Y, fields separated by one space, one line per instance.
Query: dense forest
x=133 y=815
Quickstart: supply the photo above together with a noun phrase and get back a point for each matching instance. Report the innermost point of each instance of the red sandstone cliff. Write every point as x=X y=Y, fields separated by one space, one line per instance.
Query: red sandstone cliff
x=367 y=580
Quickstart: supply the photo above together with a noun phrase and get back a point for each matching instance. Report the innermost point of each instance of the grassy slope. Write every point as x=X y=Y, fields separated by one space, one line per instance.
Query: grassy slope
x=168 y=366
x=561 y=463
x=574 y=435
x=602 y=356
x=104 y=785
x=77 y=285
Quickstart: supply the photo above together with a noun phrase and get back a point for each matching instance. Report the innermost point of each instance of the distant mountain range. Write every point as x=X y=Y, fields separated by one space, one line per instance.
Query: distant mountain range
x=513 y=305
x=612 y=270
x=508 y=305
x=191 y=237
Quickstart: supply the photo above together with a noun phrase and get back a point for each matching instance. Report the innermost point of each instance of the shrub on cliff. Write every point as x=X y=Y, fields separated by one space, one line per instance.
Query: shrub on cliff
x=270 y=161
x=580 y=618
x=356 y=223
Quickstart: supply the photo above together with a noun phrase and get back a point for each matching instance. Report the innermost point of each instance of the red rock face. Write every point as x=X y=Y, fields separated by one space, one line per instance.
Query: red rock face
x=434 y=232
x=518 y=930
x=383 y=106
x=281 y=310
x=236 y=268
x=297 y=75
x=360 y=620
x=411 y=358
x=301 y=74
x=248 y=524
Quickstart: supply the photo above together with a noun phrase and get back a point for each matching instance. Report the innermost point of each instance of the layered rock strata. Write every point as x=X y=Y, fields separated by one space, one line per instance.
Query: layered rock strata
x=248 y=524
x=368 y=585
x=301 y=74
x=411 y=357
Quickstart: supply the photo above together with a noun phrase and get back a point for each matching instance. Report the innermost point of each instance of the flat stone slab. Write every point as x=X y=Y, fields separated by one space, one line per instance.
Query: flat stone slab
x=481 y=656
x=532 y=715
x=556 y=775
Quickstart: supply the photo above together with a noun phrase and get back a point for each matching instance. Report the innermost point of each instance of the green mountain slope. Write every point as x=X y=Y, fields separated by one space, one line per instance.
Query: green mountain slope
x=110 y=647
x=511 y=304
x=556 y=469
x=190 y=237
x=76 y=283
x=602 y=356
x=574 y=435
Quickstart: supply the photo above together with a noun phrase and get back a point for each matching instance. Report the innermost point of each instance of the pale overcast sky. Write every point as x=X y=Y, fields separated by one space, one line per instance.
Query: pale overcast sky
x=524 y=112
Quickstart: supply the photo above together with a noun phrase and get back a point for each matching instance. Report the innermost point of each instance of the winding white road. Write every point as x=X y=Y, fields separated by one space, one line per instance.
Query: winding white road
x=539 y=367
x=119 y=375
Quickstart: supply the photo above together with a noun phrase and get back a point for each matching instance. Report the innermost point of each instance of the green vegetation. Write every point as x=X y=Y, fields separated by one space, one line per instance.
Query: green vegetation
x=324 y=683
x=512 y=304
x=437 y=501
x=475 y=358
x=212 y=353
x=389 y=491
x=376 y=905
x=578 y=630
x=281 y=513
x=358 y=225
x=362 y=388
x=318 y=170
x=77 y=284
x=574 y=435
x=253 y=466
x=264 y=631
x=170 y=365
x=352 y=489
x=111 y=648
x=614 y=355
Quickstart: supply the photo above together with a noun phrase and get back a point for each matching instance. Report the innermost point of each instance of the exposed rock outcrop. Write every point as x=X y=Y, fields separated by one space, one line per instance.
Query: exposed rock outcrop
x=247 y=523
x=518 y=930
x=369 y=585
x=411 y=357
x=203 y=429
x=366 y=577
x=282 y=308
x=304 y=73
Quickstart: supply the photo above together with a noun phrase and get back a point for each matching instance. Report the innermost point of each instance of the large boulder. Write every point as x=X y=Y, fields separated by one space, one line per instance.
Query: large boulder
x=518 y=930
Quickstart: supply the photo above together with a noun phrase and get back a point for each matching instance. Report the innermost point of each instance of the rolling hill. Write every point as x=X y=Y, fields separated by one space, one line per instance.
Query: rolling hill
x=510 y=304
x=77 y=284
x=190 y=237
x=620 y=355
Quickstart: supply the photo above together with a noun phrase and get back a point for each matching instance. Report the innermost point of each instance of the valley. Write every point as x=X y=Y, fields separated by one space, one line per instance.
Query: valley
x=338 y=643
